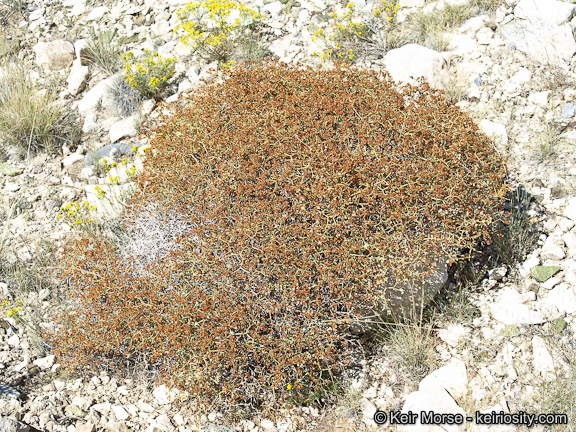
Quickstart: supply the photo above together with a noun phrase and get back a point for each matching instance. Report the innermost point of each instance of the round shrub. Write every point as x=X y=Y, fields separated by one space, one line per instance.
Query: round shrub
x=303 y=192
x=123 y=98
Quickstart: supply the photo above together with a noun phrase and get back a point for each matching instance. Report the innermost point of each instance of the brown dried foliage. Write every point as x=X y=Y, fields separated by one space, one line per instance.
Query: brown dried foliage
x=306 y=190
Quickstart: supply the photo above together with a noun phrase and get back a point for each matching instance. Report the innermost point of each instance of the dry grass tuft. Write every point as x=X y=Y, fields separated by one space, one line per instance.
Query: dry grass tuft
x=32 y=118
x=103 y=53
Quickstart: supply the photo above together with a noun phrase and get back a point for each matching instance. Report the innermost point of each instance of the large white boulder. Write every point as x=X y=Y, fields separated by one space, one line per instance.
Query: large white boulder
x=542 y=41
x=509 y=309
x=54 y=55
x=95 y=96
x=416 y=61
x=551 y=12
x=77 y=79
x=124 y=128
x=451 y=377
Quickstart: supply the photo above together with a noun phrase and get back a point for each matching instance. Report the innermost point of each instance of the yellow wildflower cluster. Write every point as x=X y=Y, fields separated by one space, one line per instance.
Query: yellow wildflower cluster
x=390 y=9
x=228 y=65
x=12 y=310
x=74 y=213
x=211 y=26
x=131 y=172
x=148 y=73
x=350 y=31
x=101 y=193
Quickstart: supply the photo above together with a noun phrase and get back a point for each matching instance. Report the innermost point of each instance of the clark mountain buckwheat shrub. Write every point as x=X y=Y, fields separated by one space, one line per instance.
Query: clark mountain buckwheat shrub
x=301 y=191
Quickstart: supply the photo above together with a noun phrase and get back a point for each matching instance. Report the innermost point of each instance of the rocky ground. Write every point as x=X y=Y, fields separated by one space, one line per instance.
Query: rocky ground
x=506 y=343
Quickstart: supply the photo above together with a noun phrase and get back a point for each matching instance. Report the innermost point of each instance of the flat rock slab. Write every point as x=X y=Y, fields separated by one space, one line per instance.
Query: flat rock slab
x=544 y=43
x=6 y=390
x=510 y=310
x=543 y=273
x=9 y=170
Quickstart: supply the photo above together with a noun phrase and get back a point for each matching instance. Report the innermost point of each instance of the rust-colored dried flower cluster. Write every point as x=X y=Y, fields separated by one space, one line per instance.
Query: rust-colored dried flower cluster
x=305 y=190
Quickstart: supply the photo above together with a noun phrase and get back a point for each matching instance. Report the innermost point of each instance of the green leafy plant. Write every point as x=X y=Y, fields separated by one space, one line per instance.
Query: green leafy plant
x=148 y=73
x=214 y=28
x=297 y=193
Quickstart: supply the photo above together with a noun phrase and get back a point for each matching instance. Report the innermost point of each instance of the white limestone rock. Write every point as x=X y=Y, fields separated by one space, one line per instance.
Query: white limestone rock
x=54 y=55
x=46 y=362
x=165 y=395
x=416 y=61
x=561 y=298
x=454 y=334
x=550 y=12
x=495 y=131
x=127 y=127
x=281 y=46
x=97 y=13
x=539 y=98
x=545 y=361
x=81 y=49
x=570 y=210
x=72 y=159
x=551 y=250
x=163 y=423
x=94 y=97
x=462 y=44
x=522 y=76
x=368 y=409
x=451 y=377
x=77 y=79
x=545 y=44
x=510 y=310
x=78 y=7
x=439 y=402
x=120 y=413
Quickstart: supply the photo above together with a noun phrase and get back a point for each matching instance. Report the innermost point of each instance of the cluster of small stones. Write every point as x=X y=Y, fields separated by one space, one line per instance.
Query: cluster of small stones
x=507 y=87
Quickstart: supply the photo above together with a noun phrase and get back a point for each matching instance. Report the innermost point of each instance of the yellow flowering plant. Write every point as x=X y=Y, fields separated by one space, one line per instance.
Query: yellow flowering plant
x=148 y=73
x=214 y=27
x=80 y=216
x=29 y=318
x=352 y=35
x=12 y=310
